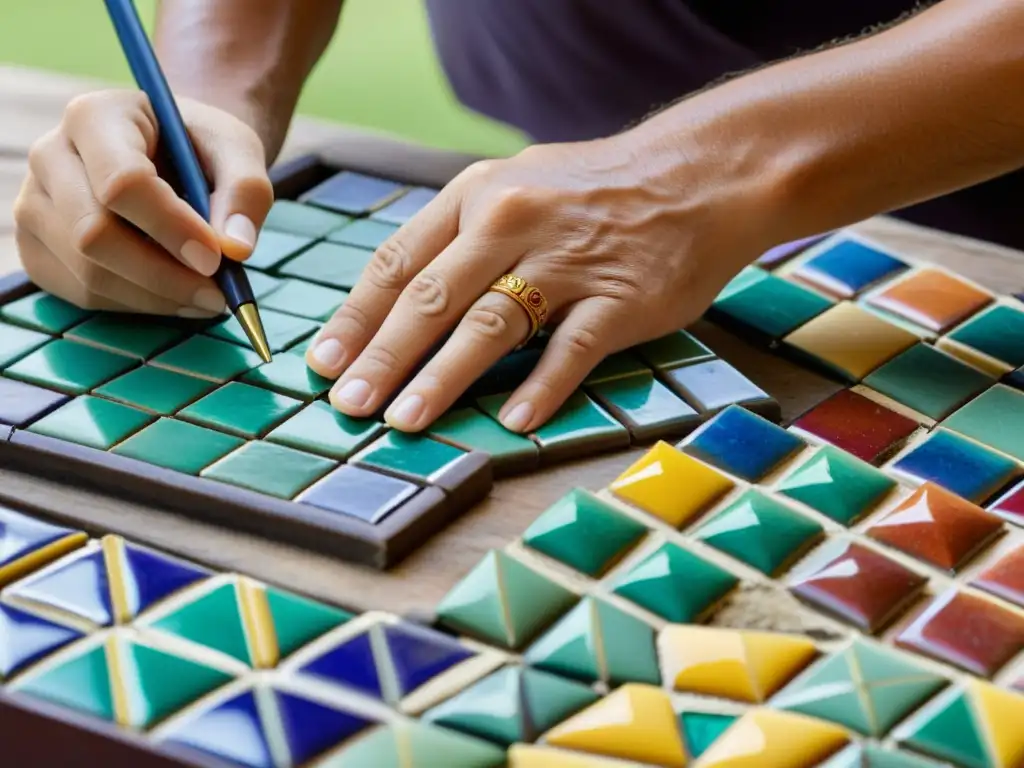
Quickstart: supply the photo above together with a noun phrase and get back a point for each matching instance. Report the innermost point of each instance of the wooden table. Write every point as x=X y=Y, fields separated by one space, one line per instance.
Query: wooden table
x=31 y=103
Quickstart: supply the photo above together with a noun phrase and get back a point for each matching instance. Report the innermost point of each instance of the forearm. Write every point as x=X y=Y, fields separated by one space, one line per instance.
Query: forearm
x=249 y=57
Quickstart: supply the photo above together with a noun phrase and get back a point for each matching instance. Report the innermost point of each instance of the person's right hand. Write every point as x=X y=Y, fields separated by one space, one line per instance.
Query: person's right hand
x=97 y=226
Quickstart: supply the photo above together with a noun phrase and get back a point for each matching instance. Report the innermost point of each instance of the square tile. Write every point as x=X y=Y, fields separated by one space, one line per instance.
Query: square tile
x=995 y=418
x=507 y=373
x=304 y=220
x=282 y=330
x=241 y=409
x=69 y=367
x=43 y=312
x=928 y=381
x=353 y=193
x=156 y=390
x=360 y=493
x=289 y=375
x=21 y=404
x=1010 y=506
x=858 y=425
x=859 y=585
x=130 y=335
x=845 y=267
x=850 y=341
x=301 y=347
x=713 y=385
x=617 y=366
x=648 y=408
x=768 y=304
x=93 y=422
x=309 y=300
x=363 y=233
x=1004 y=577
x=261 y=283
x=780 y=254
x=319 y=428
x=336 y=265
x=407 y=206
x=16 y=342
x=742 y=443
x=671 y=351
x=412 y=456
x=932 y=298
x=272 y=248
x=208 y=358
x=472 y=430
x=997 y=332
x=270 y=469
x=178 y=445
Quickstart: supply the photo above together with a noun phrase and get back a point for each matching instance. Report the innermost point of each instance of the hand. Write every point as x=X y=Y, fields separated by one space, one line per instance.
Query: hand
x=627 y=243
x=97 y=225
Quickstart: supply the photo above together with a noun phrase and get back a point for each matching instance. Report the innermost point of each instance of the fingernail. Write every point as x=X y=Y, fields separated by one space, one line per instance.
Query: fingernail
x=406 y=413
x=194 y=313
x=354 y=393
x=209 y=299
x=519 y=417
x=200 y=258
x=329 y=353
x=238 y=227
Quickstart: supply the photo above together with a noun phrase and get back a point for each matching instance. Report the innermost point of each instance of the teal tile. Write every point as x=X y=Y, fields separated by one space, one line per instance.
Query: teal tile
x=331 y=264
x=319 y=428
x=93 y=422
x=157 y=390
x=675 y=349
x=43 y=312
x=270 y=469
x=767 y=303
x=646 y=406
x=130 y=335
x=301 y=347
x=69 y=367
x=617 y=366
x=282 y=330
x=289 y=375
x=208 y=358
x=309 y=300
x=470 y=429
x=17 y=342
x=298 y=219
x=409 y=455
x=363 y=233
x=998 y=332
x=178 y=445
x=996 y=419
x=241 y=409
x=274 y=247
x=837 y=484
x=261 y=283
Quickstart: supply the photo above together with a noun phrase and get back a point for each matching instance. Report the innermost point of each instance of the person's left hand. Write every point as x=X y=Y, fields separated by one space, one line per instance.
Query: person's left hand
x=626 y=244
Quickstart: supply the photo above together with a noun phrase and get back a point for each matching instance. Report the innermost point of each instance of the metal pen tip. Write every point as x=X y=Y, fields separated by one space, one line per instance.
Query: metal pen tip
x=249 y=318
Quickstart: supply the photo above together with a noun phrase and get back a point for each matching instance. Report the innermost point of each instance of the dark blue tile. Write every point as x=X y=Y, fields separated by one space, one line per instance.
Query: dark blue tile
x=78 y=586
x=713 y=385
x=849 y=267
x=958 y=465
x=352 y=193
x=359 y=493
x=350 y=664
x=419 y=654
x=742 y=444
x=21 y=404
x=311 y=728
x=231 y=730
x=407 y=206
x=150 y=577
x=1016 y=379
x=25 y=638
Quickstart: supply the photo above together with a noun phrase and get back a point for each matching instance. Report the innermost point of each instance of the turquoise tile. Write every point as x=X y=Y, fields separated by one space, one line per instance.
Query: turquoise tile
x=241 y=409
x=282 y=330
x=767 y=303
x=675 y=349
x=309 y=300
x=332 y=264
x=69 y=367
x=178 y=445
x=409 y=455
x=646 y=406
x=617 y=366
x=93 y=422
x=208 y=358
x=157 y=390
x=289 y=375
x=998 y=332
x=270 y=469
x=474 y=431
x=363 y=233
x=272 y=248
x=298 y=219
x=17 y=342
x=996 y=419
x=43 y=312
x=261 y=283
x=837 y=484
x=319 y=428
x=131 y=335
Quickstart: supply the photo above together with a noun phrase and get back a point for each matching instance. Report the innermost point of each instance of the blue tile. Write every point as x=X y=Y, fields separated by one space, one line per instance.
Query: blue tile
x=713 y=385
x=742 y=444
x=1016 y=379
x=21 y=535
x=311 y=728
x=419 y=654
x=21 y=404
x=359 y=493
x=150 y=577
x=849 y=267
x=352 y=193
x=78 y=585
x=407 y=206
x=231 y=730
x=350 y=664
x=25 y=638
x=965 y=468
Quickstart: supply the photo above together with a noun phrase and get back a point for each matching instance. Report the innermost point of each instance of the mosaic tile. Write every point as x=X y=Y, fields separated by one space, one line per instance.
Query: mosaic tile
x=338 y=266
x=411 y=744
x=713 y=385
x=857 y=425
x=535 y=756
x=270 y=469
x=783 y=252
x=241 y=409
x=850 y=341
x=873 y=756
x=350 y=664
x=272 y=248
x=79 y=680
x=407 y=206
x=353 y=193
x=261 y=283
x=77 y=585
x=21 y=404
x=492 y=388
x=730 y=663
x=761 y=532
x=742 y=444
x=837 y=485
x=965 y=630
x=297 y=297
x=295 y=620
x=847 y=267
x=583 y=532
x=321 y=429
x=579 y=423
x=211 y=617
x=671 y=351
x=929 y=381
x=69 y=367
x=178 y=445
x=144 y=577
x=409 y=455
x=43 y=312
x=647 y=407
x=17 y=342
x=997 y=332
x=937 y=527
x=92 y=422
x=1004 y=577
x=958 y=465
x=1010 y=506
x=856 y=584
x=208 y=358
x=597 y=642
x=670 y=485
x=996 y=418
x=305 y=220
x=702 y=729
x=675 y=584
x=289 y=375
x=282 y=330
x=620 y=365
x=359 y=493
x=27 y=544
x=26 y=638
x=157 y=390
x=311 y=728
x=634 y=722
x=230 y=729
x=363 y=233
x=931 y=298
x=767 y=304
x=503 y=601
x=472 y=430
x=126 y=335
x=779 y=739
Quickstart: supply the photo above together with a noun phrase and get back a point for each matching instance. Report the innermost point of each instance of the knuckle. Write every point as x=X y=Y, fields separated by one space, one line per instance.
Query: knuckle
x=91 y=275
x=389 y=267
x=480 y=170
x=487 y=322
x=24 y=212
x=429 y=295
x=41 y=149
x=348 y=316
x=381 y=357
x=511 y=205
x=582 y=343
x=258 y=189
x=123 y=182
x=89 y=230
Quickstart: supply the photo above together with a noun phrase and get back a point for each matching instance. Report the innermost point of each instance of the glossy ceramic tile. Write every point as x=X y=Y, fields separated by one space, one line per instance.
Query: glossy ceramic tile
x=472 y=430
x=503 y=601
x=178 y=445
x=230 y=729
x=670 y=485
x=353 y=193
x=671 y=351
x=208 y=358
x=742 y=444
x=580 y=423
x=859 y=585
x=779 y=739
x=583 y=532
x=272 y=248
x=140 y=577
x=78 y=585
x=43 y=312
x=27 y=544
x=128 y=334
x=997 y=332
x=760 y=532
x=332 y=264
x=242 y=409
x=1010 y=505
x=26 y=638
x=967 y=631
x=271 y=469
x=1004 y=577
x=505 y=375
x=715 y=384
x=261 y=283
x=411 y=744
x=305 y=220
x=289 y=375
x=838 y=485
x=937 y=527
x=702 y=729
x=211 y=617
x=874 y=756
x=282 y=330
x=647 y=407
x=21 y=404
x=929 y=381
x=958 y=465
x=675 y=584
x=729 y=663
x=620 y=365
x=319 y=428
x=157 y=390
x=17 y=342
x=996 y=419
x=407 y=206
x=360 y=493
x=294 y=621
x=409 y=455
x=767 y=304
x=932 y=298
x=363 y=233
x=847 y=267
x=69 y=367
x=857 y=425
x=79 y=680
x=309 y=300
x=92 y=422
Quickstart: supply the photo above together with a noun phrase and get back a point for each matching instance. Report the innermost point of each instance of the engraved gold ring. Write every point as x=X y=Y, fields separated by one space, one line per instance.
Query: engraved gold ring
x=526 y=296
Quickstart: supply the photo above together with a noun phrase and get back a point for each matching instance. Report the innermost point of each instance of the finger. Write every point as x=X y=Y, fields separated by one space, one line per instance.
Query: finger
x=116 y=147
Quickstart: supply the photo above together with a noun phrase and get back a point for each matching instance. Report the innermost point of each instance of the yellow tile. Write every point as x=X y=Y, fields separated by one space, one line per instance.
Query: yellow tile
x=118 y=682
x=851 y=340
x=532 y=756
x=775 y=658
x=113 y=560
x=763 y=738
x=259 y=624
x=979 y=360
x=1001 y=715
x=671 y=485
x=634 y=722
x=40 y=557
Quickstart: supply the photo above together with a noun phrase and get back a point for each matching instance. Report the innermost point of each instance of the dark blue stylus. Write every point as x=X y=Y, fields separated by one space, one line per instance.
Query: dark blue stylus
x=175 y=143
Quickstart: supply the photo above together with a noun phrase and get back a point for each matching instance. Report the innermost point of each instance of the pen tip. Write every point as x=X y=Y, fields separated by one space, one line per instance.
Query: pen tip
x=249 y=318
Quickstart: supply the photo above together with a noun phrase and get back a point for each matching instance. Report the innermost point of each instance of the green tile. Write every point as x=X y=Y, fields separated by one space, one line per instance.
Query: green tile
x=208 y=358
x=998 y=332
x=475 y=431
x=261 y=283
x=996 y=418
x=241 y=409
x=297 y=297
x=178 y=445
x=675 y=584
x=17 y=342
x=760 y=532
x=837 y=484
x=645 y=405
x=81 y=682
x=43 y=312
x=409 y=455
x=93 y=422
x=69 y=367
x=583 y=532
x=282 y=330
x=579 y=421
x=274 y=247
x=158 y=390
x=768 y=303
x=330 y=263
x=301 y=347
x=390 y=746
x=289 y=375
x=363 y=233
x=947 y=729
x=211 y=618
x=298 y=620
x=675 y=349
x=270 y=469
x=701 y=729
x=130 y=335
x=299 y=219
x=617 y=366
x=319 y=428
x=929 y=381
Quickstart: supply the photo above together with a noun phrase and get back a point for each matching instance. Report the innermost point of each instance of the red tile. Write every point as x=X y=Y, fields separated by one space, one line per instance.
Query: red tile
x=857 y=425
x=1005 y=577
x=933 y=299
x=938 y=527
x=1011 y=506
x=968 y=631
x=857 y=584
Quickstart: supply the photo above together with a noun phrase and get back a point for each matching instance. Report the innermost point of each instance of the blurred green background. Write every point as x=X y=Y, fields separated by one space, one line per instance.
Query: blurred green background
x=379 y=72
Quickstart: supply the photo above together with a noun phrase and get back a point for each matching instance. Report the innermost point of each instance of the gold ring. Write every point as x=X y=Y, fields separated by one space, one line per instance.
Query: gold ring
x=526 y=296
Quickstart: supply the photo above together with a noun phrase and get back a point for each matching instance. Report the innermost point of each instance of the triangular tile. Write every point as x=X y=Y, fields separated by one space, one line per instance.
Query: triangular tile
x=25 y=638
x=213 y=619
x=149 y=577
x=27 y=544
x=532 y=601
x=419 y=654
x=879 y=665
x=702 y=729
x=894 y=683
x=534 y=756
x=948 y=730
x=775 y=658
x=627 y=646
x=410 y=744
x=1001 y=714
x=298 y=620
x=828 y=691
x=491 y=709
x=78 y=586
x=570 y=646
x=81 y=682
x=550 y=699
x=891 y=703
x=231 y=730
x=764 y=737
x=310 y=728
x=351 y=664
